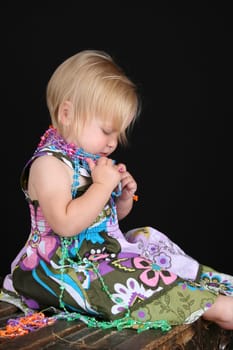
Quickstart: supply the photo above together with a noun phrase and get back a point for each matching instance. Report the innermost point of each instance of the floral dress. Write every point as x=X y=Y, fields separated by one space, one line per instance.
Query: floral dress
x=105 y=277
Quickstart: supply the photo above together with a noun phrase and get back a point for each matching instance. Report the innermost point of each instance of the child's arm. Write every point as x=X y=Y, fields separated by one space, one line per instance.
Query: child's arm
x=124 y=202
x=50 y=183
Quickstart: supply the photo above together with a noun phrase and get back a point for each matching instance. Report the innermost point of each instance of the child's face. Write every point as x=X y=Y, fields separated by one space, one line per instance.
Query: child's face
x=97 y=137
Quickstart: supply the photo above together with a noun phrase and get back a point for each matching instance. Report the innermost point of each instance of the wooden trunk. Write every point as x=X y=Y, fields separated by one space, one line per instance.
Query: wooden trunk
x=65 y=335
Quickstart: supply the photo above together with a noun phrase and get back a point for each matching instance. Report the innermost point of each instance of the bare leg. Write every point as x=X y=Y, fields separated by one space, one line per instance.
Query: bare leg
x=221 y=312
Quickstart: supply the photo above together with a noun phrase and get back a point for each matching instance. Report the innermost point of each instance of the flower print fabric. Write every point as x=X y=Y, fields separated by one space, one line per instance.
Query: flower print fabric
x=41 y=243
x=140 y=276
x=152 y=272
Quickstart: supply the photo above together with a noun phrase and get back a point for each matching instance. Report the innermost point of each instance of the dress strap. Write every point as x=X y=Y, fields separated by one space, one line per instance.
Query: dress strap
x=46 y=151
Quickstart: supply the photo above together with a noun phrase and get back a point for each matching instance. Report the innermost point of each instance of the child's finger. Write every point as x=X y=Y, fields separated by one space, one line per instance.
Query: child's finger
x=91 y=163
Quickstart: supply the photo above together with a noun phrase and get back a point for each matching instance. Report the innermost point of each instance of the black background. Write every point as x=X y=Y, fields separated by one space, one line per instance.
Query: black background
x=180 y=151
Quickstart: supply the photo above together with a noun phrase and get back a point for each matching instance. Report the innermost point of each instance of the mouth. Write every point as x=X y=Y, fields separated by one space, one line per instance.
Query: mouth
x=102 y=154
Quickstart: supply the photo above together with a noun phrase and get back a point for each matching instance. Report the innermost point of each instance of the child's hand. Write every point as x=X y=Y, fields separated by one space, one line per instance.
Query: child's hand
x=105 y=172
x=128 y=184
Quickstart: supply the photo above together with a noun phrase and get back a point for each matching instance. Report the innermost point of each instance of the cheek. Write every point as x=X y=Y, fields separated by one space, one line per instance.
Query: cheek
x=96 y=143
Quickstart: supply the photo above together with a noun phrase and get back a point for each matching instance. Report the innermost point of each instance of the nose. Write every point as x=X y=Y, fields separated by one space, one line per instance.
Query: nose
x=112 y=142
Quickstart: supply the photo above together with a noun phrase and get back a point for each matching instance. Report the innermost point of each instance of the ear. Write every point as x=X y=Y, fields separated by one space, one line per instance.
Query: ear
x=65 y=113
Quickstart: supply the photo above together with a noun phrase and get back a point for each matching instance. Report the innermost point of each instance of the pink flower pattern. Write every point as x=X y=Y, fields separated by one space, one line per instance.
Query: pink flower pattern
x=153 y=272
x=41 y=243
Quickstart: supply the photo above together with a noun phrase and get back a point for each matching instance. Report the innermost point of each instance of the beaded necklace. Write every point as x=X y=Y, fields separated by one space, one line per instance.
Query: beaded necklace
x=51 y=140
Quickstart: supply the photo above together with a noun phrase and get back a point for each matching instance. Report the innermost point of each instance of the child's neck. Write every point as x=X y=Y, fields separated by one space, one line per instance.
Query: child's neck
x=52 y=138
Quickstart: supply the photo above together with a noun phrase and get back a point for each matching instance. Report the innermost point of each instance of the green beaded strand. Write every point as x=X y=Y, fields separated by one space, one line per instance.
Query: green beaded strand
x=125 y=322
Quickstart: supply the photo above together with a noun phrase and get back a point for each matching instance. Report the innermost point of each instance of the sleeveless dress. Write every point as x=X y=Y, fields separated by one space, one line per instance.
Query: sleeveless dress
x=107 y=278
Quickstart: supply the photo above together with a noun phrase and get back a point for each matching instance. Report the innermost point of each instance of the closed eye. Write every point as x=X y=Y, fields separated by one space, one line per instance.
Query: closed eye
x=107 y=132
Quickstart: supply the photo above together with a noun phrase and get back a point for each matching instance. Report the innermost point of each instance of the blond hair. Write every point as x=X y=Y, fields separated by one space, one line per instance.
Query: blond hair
x=96 y=86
